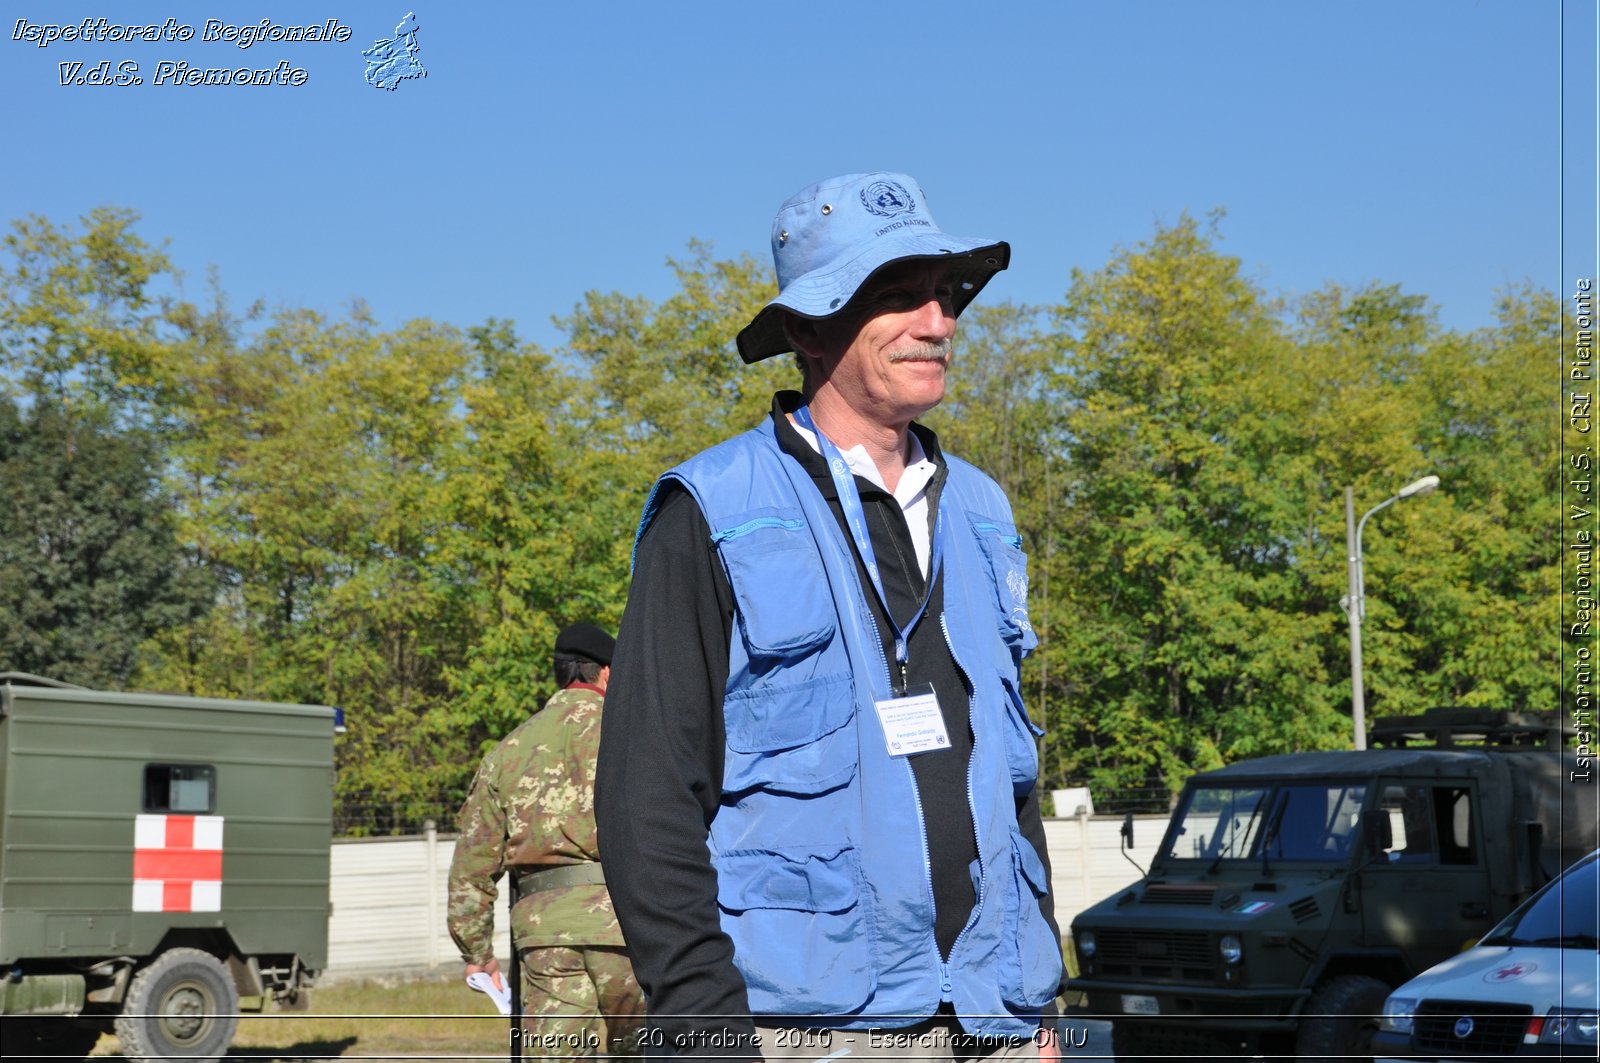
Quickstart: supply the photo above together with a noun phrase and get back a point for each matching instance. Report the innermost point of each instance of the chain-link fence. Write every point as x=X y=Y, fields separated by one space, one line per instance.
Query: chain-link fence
x=366 y=817
x=1138 y=800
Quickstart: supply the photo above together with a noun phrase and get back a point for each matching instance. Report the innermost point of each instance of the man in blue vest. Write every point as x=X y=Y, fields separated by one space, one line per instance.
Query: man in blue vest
x=816 y=789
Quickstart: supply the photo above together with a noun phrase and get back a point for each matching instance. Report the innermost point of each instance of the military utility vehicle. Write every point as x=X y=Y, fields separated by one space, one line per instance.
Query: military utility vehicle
x=1291 y=893
x=163 y=863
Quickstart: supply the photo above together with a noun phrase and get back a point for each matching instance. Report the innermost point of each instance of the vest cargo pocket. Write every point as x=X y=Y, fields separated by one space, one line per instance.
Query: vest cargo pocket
x=790 y=738
x=802 y=935
x=1001 y=547
x=1030 y=967
x=1022 y=735
x=785 y=606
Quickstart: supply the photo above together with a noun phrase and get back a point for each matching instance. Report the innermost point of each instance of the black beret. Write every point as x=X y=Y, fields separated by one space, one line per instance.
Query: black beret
x=586 y=641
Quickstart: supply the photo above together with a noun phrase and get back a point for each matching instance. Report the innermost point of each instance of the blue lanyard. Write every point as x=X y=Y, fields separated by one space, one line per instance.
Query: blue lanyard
x=855 y=519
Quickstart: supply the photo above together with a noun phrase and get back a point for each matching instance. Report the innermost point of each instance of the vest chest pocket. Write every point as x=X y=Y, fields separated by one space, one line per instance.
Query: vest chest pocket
x=1001 y=547
x=790 y=723
x=801 y=931
x=785 y=607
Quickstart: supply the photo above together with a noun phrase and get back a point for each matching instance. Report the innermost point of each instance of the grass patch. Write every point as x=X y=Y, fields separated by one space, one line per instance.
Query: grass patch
x=370 y=1020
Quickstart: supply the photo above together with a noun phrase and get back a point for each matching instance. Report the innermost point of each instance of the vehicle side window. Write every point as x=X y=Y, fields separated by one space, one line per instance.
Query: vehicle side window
x=1411 y=823
x=1452 y=811
x=185 y=788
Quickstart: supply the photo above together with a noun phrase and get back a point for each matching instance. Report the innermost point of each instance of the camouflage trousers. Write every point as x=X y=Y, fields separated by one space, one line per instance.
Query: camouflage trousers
x=579 y=1002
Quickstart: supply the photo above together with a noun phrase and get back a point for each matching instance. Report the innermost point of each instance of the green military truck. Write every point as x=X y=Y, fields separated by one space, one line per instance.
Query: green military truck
x=1291 y=893
x=163 y=863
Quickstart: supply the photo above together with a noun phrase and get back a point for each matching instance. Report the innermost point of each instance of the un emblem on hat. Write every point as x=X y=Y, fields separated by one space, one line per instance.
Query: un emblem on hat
x=887 y=198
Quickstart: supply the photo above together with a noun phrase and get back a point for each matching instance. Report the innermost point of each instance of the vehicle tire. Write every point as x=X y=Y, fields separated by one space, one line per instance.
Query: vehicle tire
x=183 y=1004
x=1153 y=1041
x=1340 y=1019
x=50 y=1038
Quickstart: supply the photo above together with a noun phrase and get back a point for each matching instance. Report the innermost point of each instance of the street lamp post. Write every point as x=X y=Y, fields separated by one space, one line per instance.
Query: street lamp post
x=1355 y=603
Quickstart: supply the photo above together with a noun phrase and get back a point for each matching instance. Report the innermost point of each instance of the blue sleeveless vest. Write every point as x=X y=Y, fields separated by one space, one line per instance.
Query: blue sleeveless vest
x=819 y=845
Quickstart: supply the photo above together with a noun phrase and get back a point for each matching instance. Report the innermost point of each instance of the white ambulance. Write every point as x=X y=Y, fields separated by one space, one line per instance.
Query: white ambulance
x=1529 y=988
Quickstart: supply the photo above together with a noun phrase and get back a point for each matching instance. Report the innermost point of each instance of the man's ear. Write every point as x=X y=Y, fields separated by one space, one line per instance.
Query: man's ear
x=809 y=346
x=803 y=336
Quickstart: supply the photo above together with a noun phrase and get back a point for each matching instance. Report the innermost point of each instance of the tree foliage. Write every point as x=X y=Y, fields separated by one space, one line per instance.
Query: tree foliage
x=90 y=566
x=77 y=317
x=314 y=508
x=1186 y=531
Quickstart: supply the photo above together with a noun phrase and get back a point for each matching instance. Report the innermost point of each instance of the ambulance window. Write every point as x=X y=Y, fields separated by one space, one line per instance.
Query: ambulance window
x=180 y=788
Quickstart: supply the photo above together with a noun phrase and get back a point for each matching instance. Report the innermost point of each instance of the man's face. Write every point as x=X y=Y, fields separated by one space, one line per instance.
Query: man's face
x=887 y=356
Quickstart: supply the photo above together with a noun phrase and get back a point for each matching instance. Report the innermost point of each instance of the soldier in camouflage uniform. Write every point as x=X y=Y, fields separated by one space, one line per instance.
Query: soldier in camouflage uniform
x=531 y=811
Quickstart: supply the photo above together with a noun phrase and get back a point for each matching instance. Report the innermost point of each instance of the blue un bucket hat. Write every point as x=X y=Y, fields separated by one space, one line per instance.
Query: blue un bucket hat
x=830 y=238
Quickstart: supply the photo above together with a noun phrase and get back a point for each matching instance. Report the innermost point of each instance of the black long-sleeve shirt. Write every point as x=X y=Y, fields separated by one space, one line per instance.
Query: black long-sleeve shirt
x=660 y=772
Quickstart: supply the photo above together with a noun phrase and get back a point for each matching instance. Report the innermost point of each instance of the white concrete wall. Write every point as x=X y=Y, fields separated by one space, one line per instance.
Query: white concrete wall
x=1086 y=860
x=389 y=893
x=389 y=908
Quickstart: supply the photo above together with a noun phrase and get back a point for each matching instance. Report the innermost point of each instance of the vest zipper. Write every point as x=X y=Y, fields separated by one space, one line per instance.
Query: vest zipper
x=946 y=982
x=972 y=804
x=916 y=801
x=986 y=526
x=756 y=524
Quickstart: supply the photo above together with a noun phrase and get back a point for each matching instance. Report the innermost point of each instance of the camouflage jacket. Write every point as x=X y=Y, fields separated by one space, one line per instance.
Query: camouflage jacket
x=531 y=807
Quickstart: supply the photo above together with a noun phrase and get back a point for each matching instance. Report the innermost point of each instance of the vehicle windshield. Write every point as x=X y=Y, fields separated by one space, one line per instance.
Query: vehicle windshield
x=1283 y=823
x=1563 y=915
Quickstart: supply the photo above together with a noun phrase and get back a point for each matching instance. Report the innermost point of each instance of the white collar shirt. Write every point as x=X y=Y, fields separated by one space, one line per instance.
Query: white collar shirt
x=911 y=492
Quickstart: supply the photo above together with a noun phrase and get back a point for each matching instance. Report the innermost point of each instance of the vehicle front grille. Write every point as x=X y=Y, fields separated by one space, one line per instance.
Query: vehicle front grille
x=1496 y=1028
x=1184 y=956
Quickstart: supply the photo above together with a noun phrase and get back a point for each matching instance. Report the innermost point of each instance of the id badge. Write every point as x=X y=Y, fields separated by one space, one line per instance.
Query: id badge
x=912 y=723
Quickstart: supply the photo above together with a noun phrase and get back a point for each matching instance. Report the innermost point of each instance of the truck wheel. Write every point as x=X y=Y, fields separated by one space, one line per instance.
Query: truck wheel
x=183 y=1004
x=51 y=1038
x=1152 y=1041
x=1340 y=1019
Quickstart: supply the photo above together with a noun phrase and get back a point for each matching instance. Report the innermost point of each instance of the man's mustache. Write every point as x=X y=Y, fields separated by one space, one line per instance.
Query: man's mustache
x=924 y=352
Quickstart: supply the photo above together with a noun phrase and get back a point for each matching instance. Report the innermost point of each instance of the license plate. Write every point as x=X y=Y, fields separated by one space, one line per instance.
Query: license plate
x=1140 y=1005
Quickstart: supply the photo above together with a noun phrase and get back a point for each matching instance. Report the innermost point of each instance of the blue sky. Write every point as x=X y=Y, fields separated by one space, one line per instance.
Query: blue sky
x=554 y=149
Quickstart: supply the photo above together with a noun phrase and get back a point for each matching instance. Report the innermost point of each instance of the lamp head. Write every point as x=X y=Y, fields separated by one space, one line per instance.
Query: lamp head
x=1419 y=487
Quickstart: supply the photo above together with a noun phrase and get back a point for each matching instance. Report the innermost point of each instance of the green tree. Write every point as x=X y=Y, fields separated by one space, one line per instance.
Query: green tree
x=313 y=463
x=666 y=380
x=77 y=316
x=534 y=539
x=1183 y=639
x=90 y=566
x=399 y=521
x=1462 y=585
